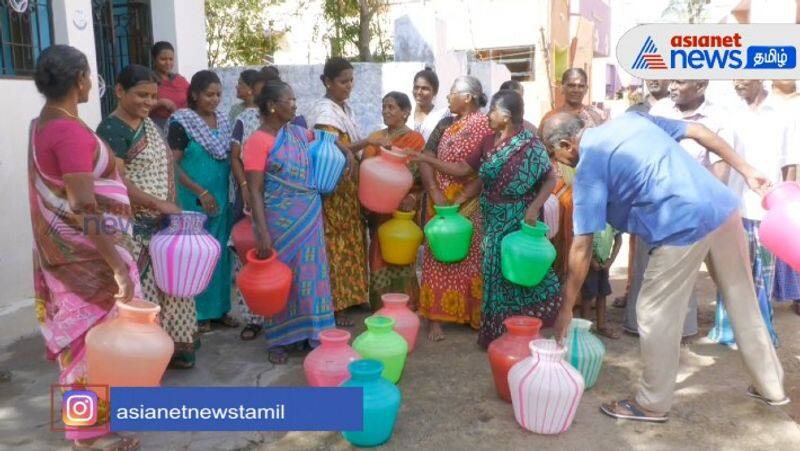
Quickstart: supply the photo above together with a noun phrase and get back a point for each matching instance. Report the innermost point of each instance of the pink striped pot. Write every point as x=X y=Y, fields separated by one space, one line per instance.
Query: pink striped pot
x=545 y=389
x=184 y=255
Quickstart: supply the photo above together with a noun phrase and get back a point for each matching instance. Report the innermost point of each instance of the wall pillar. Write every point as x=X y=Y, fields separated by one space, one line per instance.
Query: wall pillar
x=73 y=25
x=182 y=23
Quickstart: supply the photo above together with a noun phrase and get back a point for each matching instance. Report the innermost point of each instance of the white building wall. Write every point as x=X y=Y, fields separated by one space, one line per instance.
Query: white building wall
x=183 y=24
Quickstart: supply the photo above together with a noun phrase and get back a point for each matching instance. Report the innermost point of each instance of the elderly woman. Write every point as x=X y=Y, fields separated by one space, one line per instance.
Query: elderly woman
x=200 y=140
x=172 y=87
x=74 y=186
x=345 y=232
x=453 y=292
x=287 y=216
x=136 y=140
x=386 y=278
x=517 y=177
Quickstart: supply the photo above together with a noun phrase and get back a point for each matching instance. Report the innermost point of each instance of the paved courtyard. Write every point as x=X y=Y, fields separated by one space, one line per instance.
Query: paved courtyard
x=449 y=401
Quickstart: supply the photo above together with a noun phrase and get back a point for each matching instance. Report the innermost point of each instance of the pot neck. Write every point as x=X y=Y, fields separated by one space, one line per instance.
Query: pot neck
x=540 y=229
x=365 y=370
x=393 y=157
x=783 y=192
x=394 y=300
x=447 y=210
x=379 y=324
x=188 y=222
x=580 y=325
x=138 y=311
x=252 y=258
x=547 y=349
x=522 y=326
x=405 y=215
x=334 y=337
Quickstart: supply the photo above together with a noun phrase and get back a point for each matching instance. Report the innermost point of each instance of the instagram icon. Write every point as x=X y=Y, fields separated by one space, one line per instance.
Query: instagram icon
x=79 y=408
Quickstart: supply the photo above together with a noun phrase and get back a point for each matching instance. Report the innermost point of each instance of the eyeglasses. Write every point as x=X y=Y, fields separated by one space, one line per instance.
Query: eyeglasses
x=453 y=94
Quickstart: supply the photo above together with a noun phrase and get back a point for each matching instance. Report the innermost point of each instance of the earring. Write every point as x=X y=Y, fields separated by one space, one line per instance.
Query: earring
x=272 y=110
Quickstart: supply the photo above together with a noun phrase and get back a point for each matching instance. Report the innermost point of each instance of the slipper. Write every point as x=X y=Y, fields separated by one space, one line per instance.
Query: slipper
x=606 y=331
x=203 y=327
x=635 y=414
x=278 y=355
x=343 y=320
x=753 y=393
x=250 y=332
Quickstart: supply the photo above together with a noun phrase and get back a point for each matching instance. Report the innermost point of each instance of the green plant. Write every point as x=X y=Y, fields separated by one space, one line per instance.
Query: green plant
x=240 y=32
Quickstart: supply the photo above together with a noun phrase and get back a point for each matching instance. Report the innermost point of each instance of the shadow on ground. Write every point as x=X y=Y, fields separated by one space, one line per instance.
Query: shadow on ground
x=449 y=401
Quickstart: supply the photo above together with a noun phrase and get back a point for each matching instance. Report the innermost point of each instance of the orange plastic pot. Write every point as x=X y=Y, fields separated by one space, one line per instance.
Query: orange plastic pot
x=265 y=284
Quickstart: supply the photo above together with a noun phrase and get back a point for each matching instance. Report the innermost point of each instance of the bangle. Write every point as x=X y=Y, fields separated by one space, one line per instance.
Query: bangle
x=203 y=193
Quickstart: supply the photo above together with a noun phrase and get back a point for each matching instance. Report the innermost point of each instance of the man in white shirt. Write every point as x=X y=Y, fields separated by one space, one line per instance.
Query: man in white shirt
x=767 y=138
x=686 y=102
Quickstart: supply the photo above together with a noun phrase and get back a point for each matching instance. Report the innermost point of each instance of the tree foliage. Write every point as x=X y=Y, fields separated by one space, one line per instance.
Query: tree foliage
x=689 y=11
x=240 y=33
x=355 y=28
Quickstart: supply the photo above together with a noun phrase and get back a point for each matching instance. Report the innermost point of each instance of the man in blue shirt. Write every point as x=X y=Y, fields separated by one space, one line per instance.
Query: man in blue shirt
x=632 y=173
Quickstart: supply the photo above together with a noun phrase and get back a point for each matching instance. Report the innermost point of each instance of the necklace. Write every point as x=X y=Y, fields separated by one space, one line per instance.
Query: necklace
x=74 y=116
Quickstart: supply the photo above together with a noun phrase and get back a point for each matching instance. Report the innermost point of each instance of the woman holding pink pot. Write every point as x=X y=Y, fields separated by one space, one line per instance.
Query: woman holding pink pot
x=287 y=216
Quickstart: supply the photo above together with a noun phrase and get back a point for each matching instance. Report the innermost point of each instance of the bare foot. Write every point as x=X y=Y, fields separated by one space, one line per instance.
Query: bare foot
x=278 y=355
x=435 y=332
x=343 y=320
x=607 y=332
x=620 y=302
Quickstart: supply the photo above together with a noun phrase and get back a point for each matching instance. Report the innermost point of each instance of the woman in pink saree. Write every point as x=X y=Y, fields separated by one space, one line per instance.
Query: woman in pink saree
x=81 y=218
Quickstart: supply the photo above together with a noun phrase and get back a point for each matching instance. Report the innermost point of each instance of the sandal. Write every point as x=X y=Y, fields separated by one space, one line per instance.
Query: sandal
x=203 y=327
x=250 y=332
x=753 y=393
x=226 y=321
x=183 y=359
x=277 y=355
x=111 y=442
x=634 y=413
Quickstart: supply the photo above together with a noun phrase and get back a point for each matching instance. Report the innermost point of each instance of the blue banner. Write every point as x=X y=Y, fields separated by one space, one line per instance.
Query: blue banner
x=236 y=409
x=769 y=57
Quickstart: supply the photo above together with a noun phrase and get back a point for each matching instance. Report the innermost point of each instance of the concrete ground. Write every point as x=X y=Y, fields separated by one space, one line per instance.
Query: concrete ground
x=449 y=401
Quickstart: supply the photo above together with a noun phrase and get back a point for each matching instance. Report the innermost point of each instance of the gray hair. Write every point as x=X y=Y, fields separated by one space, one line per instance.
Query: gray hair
x=559 y=127
x=471 y=85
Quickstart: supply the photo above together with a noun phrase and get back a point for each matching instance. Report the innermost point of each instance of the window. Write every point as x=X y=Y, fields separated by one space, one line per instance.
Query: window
x=519 y=60
x=23 y=35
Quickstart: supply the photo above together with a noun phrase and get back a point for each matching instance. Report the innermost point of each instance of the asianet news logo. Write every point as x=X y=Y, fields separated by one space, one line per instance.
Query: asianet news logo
x=691 y=51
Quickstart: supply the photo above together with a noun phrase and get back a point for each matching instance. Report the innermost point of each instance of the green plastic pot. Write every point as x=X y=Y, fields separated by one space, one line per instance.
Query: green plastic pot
x=449 y=234
x=380 y=342
x=526 y=255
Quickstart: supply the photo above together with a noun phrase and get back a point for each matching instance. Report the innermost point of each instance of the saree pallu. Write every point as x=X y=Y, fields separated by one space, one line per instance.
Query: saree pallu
x=294 y=221
x=787 y=282
x=345 y=239
x=763 y=263
x=149 y=166
x=74 y=286
x=384 y=277
x=453 y=292
x=512 y=173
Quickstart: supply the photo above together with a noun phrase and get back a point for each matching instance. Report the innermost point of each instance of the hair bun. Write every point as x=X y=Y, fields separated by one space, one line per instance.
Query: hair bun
x=482 y=100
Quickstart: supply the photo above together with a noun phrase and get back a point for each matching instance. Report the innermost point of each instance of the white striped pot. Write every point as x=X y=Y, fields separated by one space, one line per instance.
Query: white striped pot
x=545 y=390
x=585 y=351
x=184 y=255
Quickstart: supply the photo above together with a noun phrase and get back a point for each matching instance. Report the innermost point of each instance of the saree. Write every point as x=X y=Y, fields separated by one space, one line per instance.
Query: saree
x=512 y=172
x=384 y=277
x=250 y=119
x=345 y=231
x=592 y=117
x=74 y=286
x=453 y=292
x=212 y=172
x=148 y=165
x=294 y=221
